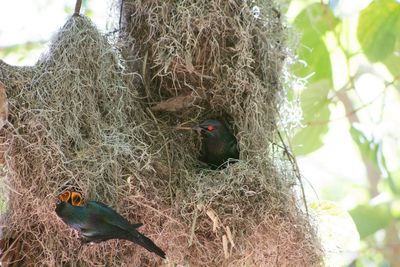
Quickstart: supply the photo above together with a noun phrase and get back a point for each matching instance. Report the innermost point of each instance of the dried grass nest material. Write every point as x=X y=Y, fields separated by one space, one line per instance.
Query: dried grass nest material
x=80 y=120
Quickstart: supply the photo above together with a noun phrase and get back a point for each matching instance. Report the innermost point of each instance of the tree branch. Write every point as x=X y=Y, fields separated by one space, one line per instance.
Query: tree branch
x=78 y=7
x=372 y=174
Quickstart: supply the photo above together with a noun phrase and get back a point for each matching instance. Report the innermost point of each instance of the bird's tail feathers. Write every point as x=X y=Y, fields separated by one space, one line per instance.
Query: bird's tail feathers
x=145 y=242
x=136 y=225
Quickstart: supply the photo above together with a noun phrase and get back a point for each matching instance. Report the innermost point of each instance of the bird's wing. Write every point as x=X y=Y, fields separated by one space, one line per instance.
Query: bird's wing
x=102 y=212
x=234 y=146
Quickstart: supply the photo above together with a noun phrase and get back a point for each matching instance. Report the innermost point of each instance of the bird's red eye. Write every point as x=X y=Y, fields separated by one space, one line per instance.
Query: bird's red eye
x=210 y=128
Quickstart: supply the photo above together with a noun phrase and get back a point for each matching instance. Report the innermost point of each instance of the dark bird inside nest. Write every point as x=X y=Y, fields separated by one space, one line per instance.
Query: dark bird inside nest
x=219 y=145
x=97 y=222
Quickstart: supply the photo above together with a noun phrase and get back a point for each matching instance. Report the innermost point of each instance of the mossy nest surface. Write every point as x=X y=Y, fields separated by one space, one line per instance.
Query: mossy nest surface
x=79 y=119
x=74 y=123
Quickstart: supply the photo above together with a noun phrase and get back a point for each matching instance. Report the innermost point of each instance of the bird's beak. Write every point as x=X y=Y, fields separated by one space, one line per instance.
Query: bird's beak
x=197 y=128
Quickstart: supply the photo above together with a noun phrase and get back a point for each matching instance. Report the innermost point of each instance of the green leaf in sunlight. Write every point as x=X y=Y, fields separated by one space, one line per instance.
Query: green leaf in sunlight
x=393 y=62
x=21 y=48
x=316 y=113
x=378 y=29
x=387 y=185
x=314 y=21
x=371 y=149
x=369 y=218
x=68 y=9
x=395 y=208
x=366 y=144
x=20 y=51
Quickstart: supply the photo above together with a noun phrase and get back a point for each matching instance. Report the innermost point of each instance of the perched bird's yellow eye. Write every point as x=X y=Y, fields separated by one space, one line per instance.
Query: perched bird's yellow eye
x=64 y=197
x=76 y=199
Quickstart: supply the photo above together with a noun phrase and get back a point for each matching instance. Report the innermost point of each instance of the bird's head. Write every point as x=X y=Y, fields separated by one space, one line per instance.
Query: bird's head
x=210 y=128
x=64 y=196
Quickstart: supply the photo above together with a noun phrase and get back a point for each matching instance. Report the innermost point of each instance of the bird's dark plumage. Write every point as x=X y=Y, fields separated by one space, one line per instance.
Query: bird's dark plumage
x=218 y=144
x=97 y=222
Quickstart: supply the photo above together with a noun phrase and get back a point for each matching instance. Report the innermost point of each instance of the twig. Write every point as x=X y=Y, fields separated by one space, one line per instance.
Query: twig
x=183 y=128
x=112 y=32
x=146 y=82
x=225 y=246
x=77 y=7
x=120 y=14
x=166 y=142
x=193 y=228
x=229 y=235
x=10 y=248
x=156 y=210
x=372 y=174
x=296 y=169
x=347 y=103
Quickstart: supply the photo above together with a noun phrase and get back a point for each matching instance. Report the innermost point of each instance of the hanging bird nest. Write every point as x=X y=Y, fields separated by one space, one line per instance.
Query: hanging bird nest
x=74 y=123
x=221 y=59
x=84 y=118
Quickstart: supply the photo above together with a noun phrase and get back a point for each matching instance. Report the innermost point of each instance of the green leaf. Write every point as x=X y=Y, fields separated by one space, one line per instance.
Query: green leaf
x=396 y=176
x=395 y=208
x=366 y=144
x=392 y=63
x=21 y=51
x=371 y=149
x=369 y=218
x=316 y=113
x=314 y=21
x=378 y=29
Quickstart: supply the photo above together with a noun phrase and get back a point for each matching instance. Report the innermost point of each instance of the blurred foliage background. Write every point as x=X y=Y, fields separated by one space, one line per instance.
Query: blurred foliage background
x=348 y=67
x=348 y=149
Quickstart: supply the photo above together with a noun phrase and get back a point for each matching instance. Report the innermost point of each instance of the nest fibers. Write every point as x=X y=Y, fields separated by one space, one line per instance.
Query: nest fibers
x=202 y=59
x=79 y=121
x=74 y=123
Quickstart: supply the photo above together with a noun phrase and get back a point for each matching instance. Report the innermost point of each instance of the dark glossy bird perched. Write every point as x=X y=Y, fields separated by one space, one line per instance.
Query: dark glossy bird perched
x=218 y=144
x=97 y=222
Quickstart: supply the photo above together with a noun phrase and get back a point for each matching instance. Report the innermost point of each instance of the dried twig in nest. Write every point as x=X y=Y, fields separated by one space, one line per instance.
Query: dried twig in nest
x=175 y=103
